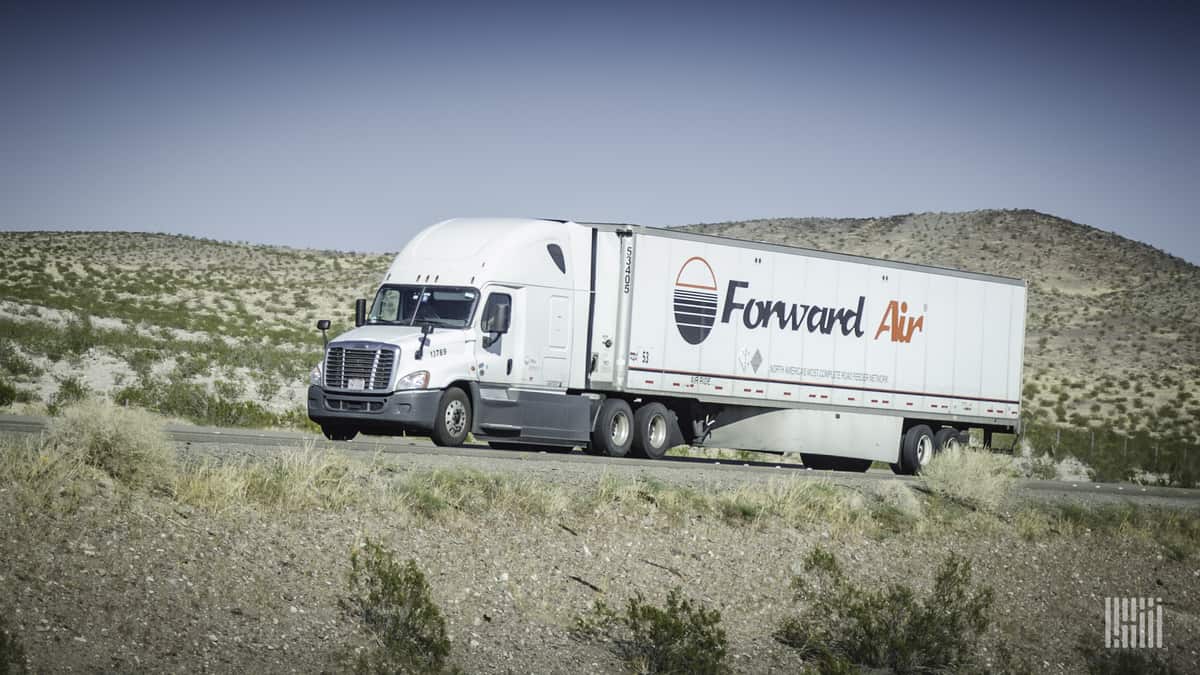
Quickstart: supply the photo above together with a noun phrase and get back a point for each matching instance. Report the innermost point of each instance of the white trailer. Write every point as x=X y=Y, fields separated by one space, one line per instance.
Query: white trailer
x=626 y=339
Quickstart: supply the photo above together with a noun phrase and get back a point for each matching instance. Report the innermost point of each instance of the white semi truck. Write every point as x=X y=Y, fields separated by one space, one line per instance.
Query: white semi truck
x=623 y=339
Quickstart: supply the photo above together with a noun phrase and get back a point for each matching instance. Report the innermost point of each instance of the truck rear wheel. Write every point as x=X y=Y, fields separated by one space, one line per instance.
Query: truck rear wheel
x=916 y=450
x=613 y=434
x=652 y=431
x=453 y=420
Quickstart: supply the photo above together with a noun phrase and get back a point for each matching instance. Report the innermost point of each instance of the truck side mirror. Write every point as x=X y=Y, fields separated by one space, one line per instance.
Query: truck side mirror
x=360 y=312
x=323 y=325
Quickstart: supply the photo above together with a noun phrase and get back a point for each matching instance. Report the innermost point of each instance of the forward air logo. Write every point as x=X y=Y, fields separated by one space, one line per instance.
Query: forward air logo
x=695 y=300
x=899 y=327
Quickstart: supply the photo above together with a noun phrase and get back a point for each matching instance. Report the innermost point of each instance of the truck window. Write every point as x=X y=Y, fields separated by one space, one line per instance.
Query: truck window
x=491 y=311
x=447 y=306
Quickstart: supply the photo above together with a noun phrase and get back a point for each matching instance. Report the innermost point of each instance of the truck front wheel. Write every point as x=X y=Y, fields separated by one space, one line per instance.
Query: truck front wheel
x=613 y=433
x=453 y=420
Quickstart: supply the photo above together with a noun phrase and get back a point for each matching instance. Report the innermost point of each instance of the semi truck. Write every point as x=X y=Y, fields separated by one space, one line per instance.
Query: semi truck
x=624 y=339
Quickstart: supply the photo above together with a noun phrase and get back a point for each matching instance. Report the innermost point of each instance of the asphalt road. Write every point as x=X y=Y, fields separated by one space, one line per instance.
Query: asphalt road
x=417 y=451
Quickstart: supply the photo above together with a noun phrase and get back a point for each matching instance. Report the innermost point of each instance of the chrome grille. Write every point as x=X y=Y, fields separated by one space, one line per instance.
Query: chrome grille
x=372 y=365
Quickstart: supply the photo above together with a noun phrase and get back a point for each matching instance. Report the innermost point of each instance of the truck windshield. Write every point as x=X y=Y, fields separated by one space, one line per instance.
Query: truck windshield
x=444 y=306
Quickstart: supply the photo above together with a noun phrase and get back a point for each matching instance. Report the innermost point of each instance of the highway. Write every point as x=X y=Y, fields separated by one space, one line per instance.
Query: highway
x=421 y=451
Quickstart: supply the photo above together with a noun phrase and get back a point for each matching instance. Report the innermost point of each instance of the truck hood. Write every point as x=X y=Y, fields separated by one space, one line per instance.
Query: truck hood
x=405 y=337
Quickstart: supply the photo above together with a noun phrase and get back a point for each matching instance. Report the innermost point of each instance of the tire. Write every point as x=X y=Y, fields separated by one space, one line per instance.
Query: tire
x=652 y=431
x=453 y=420
x=613 y=434
x=916 y=450
x=335 y=432
x=947 y=439
x=831 y=463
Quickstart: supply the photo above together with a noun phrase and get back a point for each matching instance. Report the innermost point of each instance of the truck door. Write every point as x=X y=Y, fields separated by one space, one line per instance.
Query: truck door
x=497 y=342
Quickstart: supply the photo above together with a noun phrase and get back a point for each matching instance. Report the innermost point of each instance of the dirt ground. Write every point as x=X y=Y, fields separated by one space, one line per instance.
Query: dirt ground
x=140 y=582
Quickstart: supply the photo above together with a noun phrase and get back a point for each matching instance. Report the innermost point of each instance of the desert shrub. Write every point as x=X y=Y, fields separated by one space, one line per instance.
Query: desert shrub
x=393 y=601
x=887 y=628
x=80 y=335
x=193 y=401
x=71 y=390
x=974 y=478
x=10 y=394
x=126 y=443
x=680 y=637
x=12 y=362
x=12 y=654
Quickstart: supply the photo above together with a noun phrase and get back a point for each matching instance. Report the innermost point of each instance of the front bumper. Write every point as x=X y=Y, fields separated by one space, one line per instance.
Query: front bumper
x=401 y=411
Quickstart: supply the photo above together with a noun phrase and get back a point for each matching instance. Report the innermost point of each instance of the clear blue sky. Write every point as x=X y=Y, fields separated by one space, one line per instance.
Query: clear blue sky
x=352 y=125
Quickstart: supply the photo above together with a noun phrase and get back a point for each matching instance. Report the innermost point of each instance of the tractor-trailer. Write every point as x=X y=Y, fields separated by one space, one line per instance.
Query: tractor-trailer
x=623 y=339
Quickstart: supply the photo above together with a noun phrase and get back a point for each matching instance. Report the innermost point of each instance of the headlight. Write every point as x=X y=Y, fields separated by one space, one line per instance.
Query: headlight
x=317 y=374
x=417 y=380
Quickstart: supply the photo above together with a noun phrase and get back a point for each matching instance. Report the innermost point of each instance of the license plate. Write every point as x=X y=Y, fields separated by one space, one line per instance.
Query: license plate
x=356 y=383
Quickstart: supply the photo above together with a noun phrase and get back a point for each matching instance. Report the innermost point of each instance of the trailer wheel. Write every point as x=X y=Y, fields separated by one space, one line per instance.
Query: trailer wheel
x=613 y=433
x=336 y=432
x=917 y=449
x=453 y=420
x=947 y=439
x=652 y=431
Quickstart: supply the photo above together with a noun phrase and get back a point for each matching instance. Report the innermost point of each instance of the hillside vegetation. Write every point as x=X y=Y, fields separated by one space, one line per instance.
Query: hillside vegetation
x=213 y=332
x=221 y=333
x=1112 y=346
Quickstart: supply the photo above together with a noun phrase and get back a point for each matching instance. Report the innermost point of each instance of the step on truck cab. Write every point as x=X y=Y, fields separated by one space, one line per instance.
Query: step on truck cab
x=626 y=339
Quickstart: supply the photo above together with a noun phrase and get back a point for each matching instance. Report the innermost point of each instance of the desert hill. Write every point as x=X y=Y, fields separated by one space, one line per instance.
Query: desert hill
x=222 y=333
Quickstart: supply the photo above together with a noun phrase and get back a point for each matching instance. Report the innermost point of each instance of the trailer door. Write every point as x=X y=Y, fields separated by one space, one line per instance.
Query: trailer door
x=607 y=284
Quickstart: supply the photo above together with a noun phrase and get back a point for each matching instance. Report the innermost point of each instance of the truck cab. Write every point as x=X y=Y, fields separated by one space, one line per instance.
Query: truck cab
x=472 y=329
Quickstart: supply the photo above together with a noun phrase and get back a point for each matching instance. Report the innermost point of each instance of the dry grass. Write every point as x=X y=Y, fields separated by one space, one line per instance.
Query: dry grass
x=974 y=478
x=97 y=451
x=126 y=443
x=293 y=480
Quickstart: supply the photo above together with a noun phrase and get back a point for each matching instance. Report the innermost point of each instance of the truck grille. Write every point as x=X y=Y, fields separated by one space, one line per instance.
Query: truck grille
x=346 y=368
